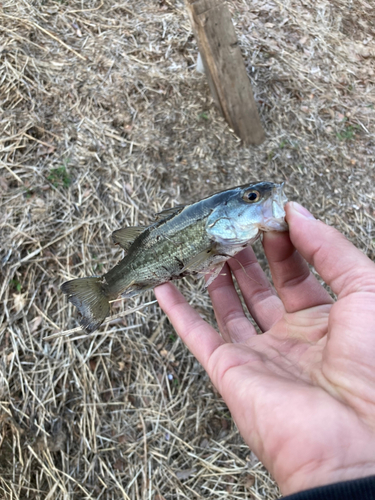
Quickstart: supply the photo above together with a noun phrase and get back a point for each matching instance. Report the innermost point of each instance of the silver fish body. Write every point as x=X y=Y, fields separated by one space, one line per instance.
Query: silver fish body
x=187 y=240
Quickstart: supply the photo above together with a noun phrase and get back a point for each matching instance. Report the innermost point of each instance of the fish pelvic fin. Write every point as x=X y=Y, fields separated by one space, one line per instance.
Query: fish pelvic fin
x=88 y=296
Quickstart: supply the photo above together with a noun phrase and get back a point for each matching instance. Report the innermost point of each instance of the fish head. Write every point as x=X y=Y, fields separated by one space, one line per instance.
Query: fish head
x=246 y=211
x=272 y=212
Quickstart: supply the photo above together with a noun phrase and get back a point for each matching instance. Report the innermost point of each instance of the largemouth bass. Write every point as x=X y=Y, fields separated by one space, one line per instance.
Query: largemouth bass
x=185 y=240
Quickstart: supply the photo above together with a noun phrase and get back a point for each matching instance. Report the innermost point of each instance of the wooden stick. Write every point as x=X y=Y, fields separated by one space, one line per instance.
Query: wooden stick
x=225 y=68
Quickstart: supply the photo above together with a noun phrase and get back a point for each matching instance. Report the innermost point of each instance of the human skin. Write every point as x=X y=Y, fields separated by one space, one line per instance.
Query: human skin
x=303 y=393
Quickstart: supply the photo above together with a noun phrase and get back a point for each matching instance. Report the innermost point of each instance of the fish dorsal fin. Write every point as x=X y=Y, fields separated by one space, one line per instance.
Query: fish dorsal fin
x=169 y=211
x=127 y=235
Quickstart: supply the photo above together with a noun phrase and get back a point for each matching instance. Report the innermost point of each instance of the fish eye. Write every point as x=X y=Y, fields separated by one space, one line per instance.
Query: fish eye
x=251 y=196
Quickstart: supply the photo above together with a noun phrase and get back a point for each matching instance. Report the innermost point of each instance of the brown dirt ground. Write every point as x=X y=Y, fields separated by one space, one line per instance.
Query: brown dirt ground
x=105 y=121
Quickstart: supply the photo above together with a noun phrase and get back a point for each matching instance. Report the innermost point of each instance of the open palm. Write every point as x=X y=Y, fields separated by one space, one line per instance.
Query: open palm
x=303 y=393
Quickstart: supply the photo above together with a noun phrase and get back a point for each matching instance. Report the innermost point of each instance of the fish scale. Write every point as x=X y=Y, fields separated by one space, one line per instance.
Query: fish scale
x=157 y=257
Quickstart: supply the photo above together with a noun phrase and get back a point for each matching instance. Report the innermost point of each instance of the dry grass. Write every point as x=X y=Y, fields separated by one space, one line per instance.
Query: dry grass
x=103 y=122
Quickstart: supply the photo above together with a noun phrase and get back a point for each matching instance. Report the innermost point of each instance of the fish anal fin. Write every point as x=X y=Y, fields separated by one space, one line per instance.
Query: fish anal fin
x=134 y=289
x=169 y=212
x=127 y=235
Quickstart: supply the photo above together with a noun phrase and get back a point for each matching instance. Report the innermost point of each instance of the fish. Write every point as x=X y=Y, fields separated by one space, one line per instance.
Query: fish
x=194 y=239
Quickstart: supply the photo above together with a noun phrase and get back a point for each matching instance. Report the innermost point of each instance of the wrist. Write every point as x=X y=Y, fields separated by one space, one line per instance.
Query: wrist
x=313 y=477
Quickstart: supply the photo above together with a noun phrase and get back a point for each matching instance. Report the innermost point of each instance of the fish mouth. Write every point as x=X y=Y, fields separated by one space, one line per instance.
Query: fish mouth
x=274 y=211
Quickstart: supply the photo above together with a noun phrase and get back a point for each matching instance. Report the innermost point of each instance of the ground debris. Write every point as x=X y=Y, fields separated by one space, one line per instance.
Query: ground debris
x=104 y=123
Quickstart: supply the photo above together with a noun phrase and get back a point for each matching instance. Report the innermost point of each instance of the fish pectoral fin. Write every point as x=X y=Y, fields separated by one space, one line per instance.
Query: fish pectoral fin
x=196 y=262
x=169 y=212
x=126 y=236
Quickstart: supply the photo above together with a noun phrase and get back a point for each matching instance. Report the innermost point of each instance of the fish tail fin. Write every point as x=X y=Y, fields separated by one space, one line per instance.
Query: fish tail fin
x=89 y=297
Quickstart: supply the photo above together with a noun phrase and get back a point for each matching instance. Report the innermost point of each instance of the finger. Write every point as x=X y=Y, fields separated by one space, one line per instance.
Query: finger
x=200 y=338
x=261 y=300
x=342 y=266
x=296 y=285
x=233 y=324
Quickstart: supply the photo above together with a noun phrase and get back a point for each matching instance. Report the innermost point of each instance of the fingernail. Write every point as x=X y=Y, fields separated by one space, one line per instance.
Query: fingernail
x=302 y=210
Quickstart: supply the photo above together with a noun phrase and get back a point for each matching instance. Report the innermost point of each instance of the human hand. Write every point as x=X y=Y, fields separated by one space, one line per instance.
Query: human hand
x=303 y=393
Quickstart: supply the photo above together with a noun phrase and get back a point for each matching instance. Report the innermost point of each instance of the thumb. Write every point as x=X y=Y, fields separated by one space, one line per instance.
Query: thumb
x=342 y=266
